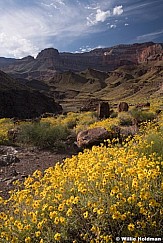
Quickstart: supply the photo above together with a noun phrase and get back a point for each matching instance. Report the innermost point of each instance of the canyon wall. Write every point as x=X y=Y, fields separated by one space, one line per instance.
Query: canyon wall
x=49 y=60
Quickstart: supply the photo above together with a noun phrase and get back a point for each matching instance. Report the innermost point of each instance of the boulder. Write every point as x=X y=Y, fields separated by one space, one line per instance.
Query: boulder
x=8 y=159
x=91 y=137
x=8 y=155
x=125 y=131
x=123 y=106
x=103 y=110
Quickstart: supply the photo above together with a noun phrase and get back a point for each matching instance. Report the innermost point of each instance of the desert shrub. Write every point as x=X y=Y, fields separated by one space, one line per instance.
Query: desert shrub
x=5 y=125
x=125 y=118
x=113 y=114
x=153 y=140
x=142 y=116
x=76 y=121
x=156 y=104
x=85 y=119
x=93 y=197
x=43 y=135
x=69 y=120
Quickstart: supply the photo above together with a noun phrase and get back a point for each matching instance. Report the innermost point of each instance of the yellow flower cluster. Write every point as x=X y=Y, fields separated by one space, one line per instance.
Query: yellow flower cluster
x=106 y=123
x=78 y=120
x=91 y=197
x=5 y=125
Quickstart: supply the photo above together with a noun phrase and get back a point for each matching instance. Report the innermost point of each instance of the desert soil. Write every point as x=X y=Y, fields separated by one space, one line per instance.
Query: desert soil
x=31 y=159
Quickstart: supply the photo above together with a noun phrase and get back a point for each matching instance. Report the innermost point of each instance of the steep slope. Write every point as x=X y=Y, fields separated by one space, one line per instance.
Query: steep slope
x=136 y=83
x=130 y=72
x=17 y=100
x=131 y=83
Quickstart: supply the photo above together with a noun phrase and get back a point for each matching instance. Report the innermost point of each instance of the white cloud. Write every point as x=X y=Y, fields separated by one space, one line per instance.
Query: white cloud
x=113 y=26
x=150 y=36
x=56 y=4
x=17 y=46
x=88 y=48
x=101 y=16
x=118 y=10
x=126 y=24
x=27 y=28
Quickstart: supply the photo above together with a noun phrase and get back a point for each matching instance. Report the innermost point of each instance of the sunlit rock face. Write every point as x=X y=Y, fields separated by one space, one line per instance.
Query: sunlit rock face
x=151 y=53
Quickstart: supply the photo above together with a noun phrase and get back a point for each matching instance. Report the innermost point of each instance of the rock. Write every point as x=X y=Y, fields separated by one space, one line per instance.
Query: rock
x=123 y=132
x=8 y=155
x=7 y=150
x=48 y=53
x=8 y=159
x=151 y=53
x=123 y=106
x=92 y=137
x=103 y=110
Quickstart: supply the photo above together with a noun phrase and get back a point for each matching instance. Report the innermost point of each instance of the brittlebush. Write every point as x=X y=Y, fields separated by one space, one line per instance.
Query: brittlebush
x=92 y=197
x=5 y=125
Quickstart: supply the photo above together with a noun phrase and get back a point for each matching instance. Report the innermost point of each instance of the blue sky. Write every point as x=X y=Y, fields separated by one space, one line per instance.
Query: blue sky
x=28 y=26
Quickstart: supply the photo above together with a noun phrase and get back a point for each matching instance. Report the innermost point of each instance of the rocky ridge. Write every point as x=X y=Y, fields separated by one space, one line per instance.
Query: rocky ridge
x=18 y=100
x=113 y=74
x=49 y=60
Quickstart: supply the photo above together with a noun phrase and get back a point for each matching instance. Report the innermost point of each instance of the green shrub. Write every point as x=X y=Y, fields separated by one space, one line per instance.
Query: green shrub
x=42 y=135
x=113 y=114
x=142 y=116
x=153 y=143
x=125 y=119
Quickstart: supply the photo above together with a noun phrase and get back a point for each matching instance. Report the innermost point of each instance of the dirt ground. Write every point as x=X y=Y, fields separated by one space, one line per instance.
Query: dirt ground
x=30 y=159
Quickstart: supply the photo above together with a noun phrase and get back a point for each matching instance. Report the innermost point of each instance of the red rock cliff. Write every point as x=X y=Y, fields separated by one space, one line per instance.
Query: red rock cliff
x=151 y=53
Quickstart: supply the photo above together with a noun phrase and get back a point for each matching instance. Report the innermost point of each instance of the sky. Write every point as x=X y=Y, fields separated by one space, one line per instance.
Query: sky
x=29 y=26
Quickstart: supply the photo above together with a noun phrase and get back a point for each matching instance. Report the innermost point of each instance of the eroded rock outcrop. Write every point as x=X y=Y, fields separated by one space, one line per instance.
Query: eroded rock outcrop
x=151 y=53
x=103 y=110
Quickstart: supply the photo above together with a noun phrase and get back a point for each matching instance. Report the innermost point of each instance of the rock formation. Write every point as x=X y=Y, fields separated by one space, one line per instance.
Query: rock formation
x=103 y=110
x=151 y=53
x=123 y=106
x=49 y=61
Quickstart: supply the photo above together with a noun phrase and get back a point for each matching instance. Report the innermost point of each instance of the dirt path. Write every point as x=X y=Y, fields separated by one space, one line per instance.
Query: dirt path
x=31 y=159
